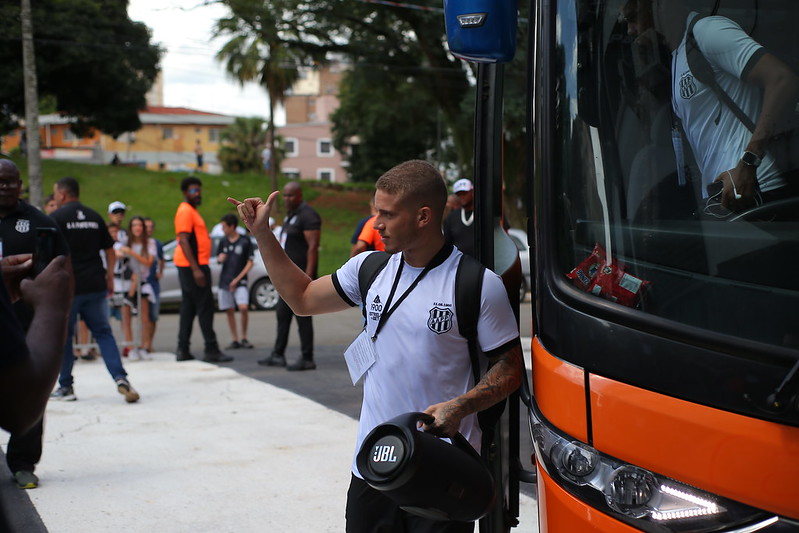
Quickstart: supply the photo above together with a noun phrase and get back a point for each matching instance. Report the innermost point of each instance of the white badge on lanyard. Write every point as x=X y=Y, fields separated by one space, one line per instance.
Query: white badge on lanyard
x=360 y=356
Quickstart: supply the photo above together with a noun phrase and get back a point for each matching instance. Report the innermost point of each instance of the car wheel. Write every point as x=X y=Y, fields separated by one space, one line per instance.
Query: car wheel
x=523 y=290
x=263 y=295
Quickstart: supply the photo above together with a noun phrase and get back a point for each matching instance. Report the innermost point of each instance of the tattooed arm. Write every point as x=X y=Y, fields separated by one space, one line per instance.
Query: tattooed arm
x=503 y=377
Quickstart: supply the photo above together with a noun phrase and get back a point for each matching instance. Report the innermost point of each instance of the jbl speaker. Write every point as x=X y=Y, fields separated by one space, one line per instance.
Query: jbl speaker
x=424 y=474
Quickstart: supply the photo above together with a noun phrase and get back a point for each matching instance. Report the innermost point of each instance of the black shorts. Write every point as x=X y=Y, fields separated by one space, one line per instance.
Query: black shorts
x=370 y=511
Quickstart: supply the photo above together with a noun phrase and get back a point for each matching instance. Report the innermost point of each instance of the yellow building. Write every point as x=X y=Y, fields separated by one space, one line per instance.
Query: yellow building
x=168 y=139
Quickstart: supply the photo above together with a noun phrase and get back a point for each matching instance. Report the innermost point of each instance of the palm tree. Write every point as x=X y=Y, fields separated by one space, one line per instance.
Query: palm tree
x=239 y=152
x=256 y=53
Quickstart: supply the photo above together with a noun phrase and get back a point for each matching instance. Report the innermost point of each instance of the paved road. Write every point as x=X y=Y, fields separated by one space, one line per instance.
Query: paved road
x=330 y=384
x=207 y=448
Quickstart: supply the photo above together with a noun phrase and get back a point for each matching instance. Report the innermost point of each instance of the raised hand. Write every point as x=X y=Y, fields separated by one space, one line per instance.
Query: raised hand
x=254 y=212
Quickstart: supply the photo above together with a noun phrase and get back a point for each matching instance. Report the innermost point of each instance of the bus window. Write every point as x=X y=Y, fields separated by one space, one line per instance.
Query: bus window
x=636 y=157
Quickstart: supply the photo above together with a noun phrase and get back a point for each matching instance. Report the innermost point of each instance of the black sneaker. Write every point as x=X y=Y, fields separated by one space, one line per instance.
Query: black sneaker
x=184 y=355
x=273 y=360
x=217 y=356
x=233 y=346
x=64 y=394
x=26 y=479
x=302 y=364
x=246 y=344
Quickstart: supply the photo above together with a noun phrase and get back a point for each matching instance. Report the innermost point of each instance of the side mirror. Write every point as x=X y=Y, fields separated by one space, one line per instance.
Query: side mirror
x=483 y=31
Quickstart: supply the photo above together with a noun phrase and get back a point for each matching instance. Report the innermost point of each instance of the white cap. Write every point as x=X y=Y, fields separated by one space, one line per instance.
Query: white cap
x=462 y=185
x=113 y=206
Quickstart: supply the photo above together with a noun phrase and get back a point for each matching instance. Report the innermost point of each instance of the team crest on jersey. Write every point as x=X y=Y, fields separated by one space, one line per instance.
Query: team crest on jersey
x=687 y=86
x=23 y=226
x=81 y=216
x=440 y=320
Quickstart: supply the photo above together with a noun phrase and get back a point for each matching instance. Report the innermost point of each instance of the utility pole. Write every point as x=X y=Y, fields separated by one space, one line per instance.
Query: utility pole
x=31 y=105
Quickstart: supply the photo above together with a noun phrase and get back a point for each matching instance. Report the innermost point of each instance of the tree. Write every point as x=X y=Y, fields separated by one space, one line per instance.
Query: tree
x=408 y=42
x=387 y=135
x=95 y=62
x=242 y=142
x=256 y=52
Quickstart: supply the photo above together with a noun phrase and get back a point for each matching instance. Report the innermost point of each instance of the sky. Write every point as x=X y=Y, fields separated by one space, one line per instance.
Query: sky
x=192 y=77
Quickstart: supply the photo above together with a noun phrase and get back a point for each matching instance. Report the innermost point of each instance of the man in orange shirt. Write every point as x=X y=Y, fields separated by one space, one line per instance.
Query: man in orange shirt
x=191 y=259
x=369 y=239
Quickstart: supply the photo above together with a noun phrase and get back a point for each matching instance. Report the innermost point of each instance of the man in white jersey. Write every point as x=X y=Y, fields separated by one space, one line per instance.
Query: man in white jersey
x=759 y=83
x=416 y=365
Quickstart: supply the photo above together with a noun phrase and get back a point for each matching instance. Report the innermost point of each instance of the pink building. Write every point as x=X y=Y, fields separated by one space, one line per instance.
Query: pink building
x=308 y=144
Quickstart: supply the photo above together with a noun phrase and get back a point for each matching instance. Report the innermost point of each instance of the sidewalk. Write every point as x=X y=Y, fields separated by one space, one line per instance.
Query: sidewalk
x=205 y=449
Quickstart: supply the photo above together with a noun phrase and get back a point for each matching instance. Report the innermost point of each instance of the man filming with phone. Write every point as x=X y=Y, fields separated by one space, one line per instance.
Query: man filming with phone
x=25 y=230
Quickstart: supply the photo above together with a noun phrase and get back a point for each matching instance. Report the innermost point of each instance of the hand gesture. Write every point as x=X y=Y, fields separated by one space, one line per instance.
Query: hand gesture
x=254 y=212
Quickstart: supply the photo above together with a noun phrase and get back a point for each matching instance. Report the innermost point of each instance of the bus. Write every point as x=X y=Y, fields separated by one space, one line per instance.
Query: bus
x=665 y=351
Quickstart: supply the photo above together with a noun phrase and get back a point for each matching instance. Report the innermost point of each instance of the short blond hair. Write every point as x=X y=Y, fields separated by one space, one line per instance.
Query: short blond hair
x=416 y=182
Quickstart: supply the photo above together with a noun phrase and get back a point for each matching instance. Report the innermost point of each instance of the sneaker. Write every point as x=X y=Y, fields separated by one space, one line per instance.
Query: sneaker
x=246 y=344
x=233 y=346
x=184 y=355
x=144 y=354
x=302 y=364
x=216 y=356
x=124 y=388
x=134 y=354
x=26 y=480
x=64 y=394
x=273 y=360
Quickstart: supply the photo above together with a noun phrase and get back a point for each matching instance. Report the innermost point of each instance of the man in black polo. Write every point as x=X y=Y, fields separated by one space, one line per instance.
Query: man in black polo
x=87 y=235
x=21 y=226
x=299 y=236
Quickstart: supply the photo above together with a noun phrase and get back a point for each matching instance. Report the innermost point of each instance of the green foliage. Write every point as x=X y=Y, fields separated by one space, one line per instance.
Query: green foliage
x=388 y=134
x=405 y=43
x=242 y=144
x=90 y=57
x=157 y=195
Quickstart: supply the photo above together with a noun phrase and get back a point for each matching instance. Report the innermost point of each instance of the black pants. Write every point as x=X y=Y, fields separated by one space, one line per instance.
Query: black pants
x=25 y=450
x=196 y=301
x=370 y=511
x=304 y=325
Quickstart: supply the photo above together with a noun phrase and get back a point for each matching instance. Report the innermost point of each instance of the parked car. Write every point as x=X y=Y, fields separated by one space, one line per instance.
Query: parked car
x=262 y=293
x=519 y=238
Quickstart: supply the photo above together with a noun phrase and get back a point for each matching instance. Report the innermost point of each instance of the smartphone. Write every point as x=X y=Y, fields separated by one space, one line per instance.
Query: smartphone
x=45 y=245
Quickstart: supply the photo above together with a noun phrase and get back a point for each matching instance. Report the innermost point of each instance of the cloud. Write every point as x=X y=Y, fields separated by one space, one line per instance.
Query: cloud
x=192 y=77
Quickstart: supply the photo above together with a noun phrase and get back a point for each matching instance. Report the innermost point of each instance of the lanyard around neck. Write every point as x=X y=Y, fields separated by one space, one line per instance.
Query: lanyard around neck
x=439 y=258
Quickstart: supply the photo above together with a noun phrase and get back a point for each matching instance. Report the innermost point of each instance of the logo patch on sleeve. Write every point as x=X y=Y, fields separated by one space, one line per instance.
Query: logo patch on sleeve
x=440 y=320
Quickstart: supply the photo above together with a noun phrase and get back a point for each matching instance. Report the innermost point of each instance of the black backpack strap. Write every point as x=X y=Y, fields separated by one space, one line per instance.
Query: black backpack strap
x=370 y=268
x=468 y=288
x=703 y=71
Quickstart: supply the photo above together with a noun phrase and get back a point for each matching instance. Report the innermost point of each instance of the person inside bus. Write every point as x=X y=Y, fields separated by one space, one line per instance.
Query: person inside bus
x=728 y=154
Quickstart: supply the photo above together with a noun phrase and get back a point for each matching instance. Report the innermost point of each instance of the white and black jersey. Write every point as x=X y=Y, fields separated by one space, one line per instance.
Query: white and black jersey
x=717 y=137
x=421 y=357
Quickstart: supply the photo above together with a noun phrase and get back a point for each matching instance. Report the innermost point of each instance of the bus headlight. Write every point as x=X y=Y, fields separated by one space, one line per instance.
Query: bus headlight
x=643 y=499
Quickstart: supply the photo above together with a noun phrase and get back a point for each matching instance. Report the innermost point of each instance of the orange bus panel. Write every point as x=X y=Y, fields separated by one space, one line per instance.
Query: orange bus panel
x=745 y=459
x=559 y=390
x=560 y=512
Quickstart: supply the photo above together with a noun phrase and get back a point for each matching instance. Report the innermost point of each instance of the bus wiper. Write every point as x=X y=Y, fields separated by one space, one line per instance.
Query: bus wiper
x=784 y=396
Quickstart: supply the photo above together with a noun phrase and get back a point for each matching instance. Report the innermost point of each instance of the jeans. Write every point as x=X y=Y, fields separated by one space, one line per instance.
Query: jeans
x=196 y=301
x=304 y=326
x=93 y=309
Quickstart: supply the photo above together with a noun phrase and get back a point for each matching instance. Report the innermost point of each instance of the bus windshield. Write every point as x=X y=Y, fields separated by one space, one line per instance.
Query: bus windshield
x=667 y=201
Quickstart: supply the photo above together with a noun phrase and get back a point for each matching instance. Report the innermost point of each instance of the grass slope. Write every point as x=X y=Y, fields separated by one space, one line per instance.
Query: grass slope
x=157 y=195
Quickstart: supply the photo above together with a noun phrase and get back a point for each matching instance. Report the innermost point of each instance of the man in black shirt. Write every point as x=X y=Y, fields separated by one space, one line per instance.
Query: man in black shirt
x=87 y=235
x=459 y=224
x=22 y=227
x=299 y=236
